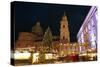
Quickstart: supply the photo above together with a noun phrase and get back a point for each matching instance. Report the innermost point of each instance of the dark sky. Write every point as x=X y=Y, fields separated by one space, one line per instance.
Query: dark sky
x=27 y=14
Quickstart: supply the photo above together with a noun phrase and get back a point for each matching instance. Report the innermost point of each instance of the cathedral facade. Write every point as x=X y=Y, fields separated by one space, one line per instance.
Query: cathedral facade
x=37 y=41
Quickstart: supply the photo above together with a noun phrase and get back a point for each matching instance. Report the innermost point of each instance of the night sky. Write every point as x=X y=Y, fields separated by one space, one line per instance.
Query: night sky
x=27 y=14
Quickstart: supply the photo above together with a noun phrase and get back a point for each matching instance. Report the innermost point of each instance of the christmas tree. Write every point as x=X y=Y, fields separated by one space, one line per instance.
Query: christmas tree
x=47 y=40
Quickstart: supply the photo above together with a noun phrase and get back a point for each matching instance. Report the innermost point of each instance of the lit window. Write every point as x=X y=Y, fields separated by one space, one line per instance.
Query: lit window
x=89 y=26
x=92 y=23
x=82 y=37
x=93 y=44
x=92 y=36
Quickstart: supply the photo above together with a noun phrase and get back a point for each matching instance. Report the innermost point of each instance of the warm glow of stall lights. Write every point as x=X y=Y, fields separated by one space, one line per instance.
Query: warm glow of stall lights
x=60 y=43
x=35 y=57
x=93 y=49
x=55 y=56
x=17 y=51
x=65 y=44
x=92 y=54
x=20 y=56
x=84 y=54
x=89 y=50
x=25 y=51
x=70 y=44
x=73 y=52
x=48 y=56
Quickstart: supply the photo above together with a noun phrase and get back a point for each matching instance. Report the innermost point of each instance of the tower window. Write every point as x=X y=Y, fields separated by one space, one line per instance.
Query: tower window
x=63 y=26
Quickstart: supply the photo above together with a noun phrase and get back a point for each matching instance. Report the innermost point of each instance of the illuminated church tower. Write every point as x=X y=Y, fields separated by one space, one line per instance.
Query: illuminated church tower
x=64 y=30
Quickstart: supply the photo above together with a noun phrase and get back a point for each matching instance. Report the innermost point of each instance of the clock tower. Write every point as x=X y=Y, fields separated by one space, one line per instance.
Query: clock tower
x=64 y=30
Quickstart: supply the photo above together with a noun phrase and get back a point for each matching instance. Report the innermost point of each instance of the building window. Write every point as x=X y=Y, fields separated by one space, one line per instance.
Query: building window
x=92 y=22
x=89 y=26
x=82 y=37
x=93 y=44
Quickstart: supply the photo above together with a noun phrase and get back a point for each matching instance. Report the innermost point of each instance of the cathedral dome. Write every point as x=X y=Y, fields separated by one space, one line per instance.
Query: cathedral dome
x=37 y=30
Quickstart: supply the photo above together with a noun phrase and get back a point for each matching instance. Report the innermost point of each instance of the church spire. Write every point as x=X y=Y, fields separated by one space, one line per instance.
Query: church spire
x=64 y=17
x=64 y=13
x=38 y=23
